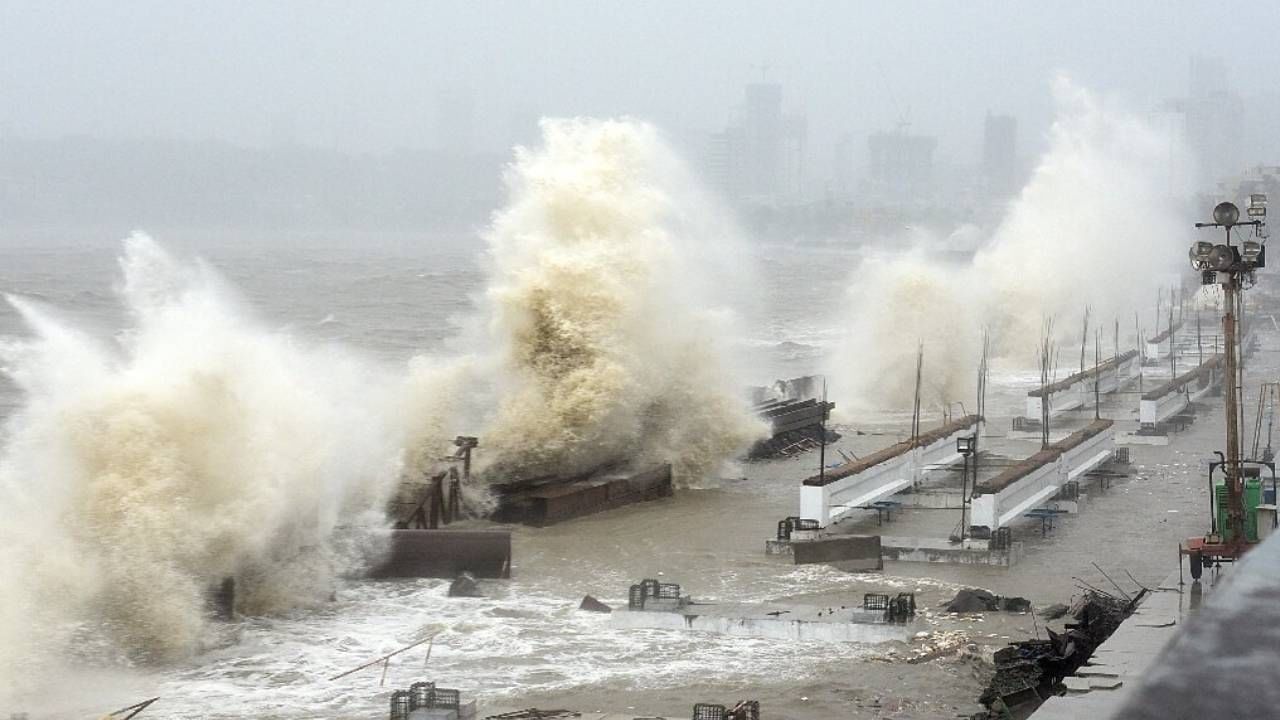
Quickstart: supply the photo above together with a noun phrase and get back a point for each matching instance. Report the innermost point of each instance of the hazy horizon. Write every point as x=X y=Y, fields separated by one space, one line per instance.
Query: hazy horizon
x=386 y=76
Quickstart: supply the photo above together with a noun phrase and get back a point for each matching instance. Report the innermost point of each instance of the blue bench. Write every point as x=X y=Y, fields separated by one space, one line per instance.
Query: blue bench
x=884 y=509
x=1046 y=516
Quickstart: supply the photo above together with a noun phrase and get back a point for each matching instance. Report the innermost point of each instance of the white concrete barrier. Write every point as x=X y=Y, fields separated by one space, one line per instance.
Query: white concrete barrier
x=1077 y=390
x=882 y=474
x=998 y=509
x=1089 y=454
x=1163 y=402
x=1031 y=483
x=1158 y=346
x=827 y=502
x=1060 y=400
x=1153 y=412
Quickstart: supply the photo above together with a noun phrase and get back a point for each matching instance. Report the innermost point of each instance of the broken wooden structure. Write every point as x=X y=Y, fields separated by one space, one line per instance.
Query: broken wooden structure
x=547 y=500
x=794 y=426
x=797 y=412
x=418 y=545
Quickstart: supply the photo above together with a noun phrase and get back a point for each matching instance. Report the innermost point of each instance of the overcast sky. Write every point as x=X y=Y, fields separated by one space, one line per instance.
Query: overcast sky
x=369 y=75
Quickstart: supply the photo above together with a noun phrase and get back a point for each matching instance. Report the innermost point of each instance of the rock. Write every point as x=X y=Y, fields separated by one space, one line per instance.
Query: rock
x=1055 y=611
x=591 y=604
x=465 y=585
x=1014 y=604
x=972 y=600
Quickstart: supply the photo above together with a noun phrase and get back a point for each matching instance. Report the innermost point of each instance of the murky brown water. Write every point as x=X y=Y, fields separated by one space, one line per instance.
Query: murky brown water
x=526 y=645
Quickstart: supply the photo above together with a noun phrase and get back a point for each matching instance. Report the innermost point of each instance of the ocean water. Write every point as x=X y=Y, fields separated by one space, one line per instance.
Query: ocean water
x=388 y=297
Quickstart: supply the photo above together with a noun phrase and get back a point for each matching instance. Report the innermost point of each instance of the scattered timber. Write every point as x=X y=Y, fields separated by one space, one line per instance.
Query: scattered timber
x=551 y=499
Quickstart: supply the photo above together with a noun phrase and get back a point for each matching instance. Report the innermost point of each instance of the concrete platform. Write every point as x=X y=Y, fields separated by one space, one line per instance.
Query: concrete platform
x=541 y=714
x=931 y=499
x=941 y=550
x=792 y=622
x=924 y=549
x=1133 y=438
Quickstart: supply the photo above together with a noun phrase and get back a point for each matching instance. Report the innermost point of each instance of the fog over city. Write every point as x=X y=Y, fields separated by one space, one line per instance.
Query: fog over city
x=796 y=360
x=311 y=91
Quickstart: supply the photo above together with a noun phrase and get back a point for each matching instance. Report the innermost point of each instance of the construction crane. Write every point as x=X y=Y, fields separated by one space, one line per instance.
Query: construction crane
x=1233 y=503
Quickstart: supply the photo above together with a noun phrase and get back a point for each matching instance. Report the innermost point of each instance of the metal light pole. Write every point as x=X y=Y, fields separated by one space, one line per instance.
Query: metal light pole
x=966 y=446
x=1231 y=266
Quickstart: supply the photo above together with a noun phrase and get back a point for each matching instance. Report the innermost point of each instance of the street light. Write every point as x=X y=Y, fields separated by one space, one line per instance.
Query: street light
x=1221 y=263
x=1225 y=213
x=1231 y=266
x=966 y=446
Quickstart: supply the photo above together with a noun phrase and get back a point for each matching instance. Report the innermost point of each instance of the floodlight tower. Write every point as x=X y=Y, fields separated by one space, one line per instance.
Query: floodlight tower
x=1231 y=265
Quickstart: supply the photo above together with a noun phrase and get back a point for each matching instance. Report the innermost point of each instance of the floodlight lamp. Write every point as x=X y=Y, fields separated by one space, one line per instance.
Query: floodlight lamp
x=1199 y=255
x=1250 y=250
x=1221 y=257
x=964 y=445
x=1258 y=200
x=1226 y=213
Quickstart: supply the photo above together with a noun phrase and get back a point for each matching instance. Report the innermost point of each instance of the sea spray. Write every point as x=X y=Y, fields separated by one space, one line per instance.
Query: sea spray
x=602 y=340
x=199 y=445
x=1095 y=225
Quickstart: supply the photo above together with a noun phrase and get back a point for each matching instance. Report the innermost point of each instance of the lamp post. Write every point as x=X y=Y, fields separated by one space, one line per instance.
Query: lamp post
x=966 y=446
x=1231 y=265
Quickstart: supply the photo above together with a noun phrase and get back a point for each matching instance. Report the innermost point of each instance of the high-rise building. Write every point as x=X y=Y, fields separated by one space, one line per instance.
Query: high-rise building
x=795 y=142
x=760 y=156
x=723 y=162
x=1000 y=154
x=762 y=138
x=901 y=165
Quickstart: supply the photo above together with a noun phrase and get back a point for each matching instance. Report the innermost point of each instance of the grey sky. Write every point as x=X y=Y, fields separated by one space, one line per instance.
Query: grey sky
x=367 y=75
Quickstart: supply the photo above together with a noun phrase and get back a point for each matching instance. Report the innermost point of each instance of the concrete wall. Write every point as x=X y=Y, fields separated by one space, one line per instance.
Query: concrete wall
x=999 y=509
x=1153 y=412
x=1080 y=393
x=857 y=552
x=826 y=503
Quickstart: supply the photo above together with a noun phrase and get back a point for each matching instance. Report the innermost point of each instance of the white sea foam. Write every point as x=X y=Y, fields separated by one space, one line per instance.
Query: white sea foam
x=1095 y=225
x=196 y=446
x=604 y=327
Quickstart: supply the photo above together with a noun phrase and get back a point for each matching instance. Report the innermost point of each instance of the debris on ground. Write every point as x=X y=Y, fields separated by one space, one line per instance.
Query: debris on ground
x=591 y=604
x=1054 y=611
x=974 y=600
x=1030 y=671
x=792 y=442
x=465 y=585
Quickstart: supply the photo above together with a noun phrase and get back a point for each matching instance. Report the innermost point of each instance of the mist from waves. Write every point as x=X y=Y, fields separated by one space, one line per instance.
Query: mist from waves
x=603 y=331
x=196 y=445
x=1094 y=225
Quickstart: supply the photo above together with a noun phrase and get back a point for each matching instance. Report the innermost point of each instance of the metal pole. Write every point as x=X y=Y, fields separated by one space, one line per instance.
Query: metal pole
x=822 y=430
x=1232 y=475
